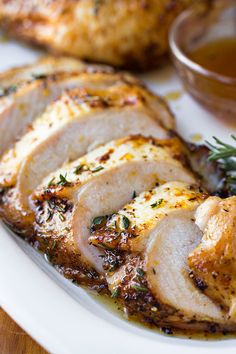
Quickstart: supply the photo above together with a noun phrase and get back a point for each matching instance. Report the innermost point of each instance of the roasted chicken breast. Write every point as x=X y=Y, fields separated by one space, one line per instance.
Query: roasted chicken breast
x=213 y=261
x=122 y=33
x=96 y=184
x=79 y=120
x=26 y=91
x=147 y=244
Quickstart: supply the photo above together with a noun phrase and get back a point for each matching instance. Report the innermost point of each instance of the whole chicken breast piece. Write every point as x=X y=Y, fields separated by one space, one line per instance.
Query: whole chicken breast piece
x=98 y=184
x=147 y=244
x=80 y=119
x=119 y=32
x=213 y=261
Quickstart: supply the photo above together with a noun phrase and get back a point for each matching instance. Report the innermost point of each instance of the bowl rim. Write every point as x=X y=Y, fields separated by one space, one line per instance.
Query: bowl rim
x=182 y=57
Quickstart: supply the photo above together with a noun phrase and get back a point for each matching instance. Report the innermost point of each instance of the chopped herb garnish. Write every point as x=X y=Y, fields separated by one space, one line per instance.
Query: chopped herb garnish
x=140 y=272
x=134 y=195
x=115 y=293
x=139 y=288
x=97 y=169
x=78 y=169
x=39 y=76
x=99 y=220
x=157 y=204
x=7 y=90
x=63 y=181
x=126 y=222
x=11 y=89
x=62 y=217
x=50 y=183
x=50 y=214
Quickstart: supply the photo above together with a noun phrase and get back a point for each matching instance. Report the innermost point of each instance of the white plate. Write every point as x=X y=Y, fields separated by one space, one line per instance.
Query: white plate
x=64 y=318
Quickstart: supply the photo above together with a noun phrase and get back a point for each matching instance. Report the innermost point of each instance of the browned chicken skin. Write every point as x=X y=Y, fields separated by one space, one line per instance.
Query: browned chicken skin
x=213 y=262
x=146 y=260
x=124 y=33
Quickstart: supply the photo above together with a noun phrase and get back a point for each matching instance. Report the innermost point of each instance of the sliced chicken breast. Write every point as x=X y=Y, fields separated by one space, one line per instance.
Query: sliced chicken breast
x=40 y=69
x=82 y=118
x=20 y=104
x=25 y=91
x=153 y=236
x=98 y=184
x=213 y=261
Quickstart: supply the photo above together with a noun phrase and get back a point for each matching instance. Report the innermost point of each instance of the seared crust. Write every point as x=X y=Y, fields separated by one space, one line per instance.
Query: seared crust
x=213 y=262
x=130 y=268
x=25 y=91
x=134 y=296
x=122 y=33
x=56 y=200
x=143 y=213
x=118 y=93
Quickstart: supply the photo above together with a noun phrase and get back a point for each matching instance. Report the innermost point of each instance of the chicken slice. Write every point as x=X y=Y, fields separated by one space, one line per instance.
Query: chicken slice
x=97 y=184
x=40 y=69
x=213 y=261
x=25 y=91
x=149 y=241
x=21 y=103
x=81 y=119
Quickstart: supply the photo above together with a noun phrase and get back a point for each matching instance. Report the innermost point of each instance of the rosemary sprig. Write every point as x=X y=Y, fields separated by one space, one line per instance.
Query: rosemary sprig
x=225 y=155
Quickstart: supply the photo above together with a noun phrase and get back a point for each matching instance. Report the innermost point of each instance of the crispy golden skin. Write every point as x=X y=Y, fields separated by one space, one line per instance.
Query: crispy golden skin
x=124 y=33
x=213 y=262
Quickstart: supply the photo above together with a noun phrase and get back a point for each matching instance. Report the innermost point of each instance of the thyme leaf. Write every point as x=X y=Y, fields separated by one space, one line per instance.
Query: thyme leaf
x=126 y=222
x=78 y=169
x=139 y=288
x=157 y=204
x=63 y=181
x=97 y=169
x=115 y=293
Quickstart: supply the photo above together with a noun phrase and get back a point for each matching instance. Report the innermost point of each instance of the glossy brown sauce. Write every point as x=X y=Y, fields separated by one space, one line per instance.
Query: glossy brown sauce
x=218 y=56
x=112 y=305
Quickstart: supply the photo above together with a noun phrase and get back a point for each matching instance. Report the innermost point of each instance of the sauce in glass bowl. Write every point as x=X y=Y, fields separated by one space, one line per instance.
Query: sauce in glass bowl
x=218 y=56
x=203 y=47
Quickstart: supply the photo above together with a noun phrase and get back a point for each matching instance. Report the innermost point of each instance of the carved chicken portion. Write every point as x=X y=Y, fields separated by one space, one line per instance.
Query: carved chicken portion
x=213 y=262
x=148 y=241
x=122 y=33
x=40 y=69
x=79 y=120
x=99 y=183
x=25 y=91
x=35 y=88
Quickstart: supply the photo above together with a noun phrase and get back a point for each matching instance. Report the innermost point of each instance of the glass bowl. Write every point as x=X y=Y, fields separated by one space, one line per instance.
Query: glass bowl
x=198 y=26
